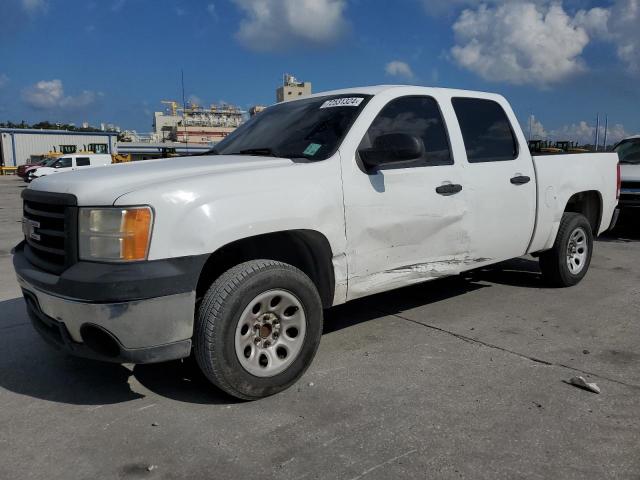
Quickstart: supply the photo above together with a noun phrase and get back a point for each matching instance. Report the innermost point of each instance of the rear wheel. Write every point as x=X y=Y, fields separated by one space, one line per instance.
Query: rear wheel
x=258 y=328
x=567 y=263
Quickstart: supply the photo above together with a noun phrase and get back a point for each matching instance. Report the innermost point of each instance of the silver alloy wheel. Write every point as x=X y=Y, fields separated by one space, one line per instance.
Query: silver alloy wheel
x=577 y=250
x=270 y=333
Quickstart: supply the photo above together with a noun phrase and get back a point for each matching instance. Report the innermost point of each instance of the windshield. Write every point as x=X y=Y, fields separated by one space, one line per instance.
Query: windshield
x=311 y=128
x=50 y=162
x=629 y=151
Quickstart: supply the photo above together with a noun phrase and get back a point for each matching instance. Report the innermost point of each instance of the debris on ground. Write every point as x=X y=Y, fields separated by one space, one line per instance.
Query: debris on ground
x=151 y=468
x=586 y=352
x=155 y=424
x=580 y=382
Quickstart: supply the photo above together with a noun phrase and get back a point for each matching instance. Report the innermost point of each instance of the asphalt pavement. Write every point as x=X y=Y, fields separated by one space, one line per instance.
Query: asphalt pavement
x=465 y=377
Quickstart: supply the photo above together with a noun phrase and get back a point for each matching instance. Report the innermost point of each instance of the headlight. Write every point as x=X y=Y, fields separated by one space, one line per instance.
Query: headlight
x=115 y=234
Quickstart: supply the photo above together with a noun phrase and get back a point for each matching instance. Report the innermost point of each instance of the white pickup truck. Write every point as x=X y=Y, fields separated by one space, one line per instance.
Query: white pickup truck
x=233 y=255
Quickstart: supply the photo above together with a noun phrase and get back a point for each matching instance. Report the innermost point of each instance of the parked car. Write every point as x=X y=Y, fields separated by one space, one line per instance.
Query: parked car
x=315 y=202
x=69 y=163
x=628 y=151
x=23 y=170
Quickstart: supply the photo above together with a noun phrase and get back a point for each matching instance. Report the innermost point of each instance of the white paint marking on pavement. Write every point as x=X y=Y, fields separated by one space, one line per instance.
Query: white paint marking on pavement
x=380 y=465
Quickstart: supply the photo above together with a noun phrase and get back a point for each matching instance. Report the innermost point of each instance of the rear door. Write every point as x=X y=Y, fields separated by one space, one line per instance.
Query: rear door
x=405 y=222
x=500 y=178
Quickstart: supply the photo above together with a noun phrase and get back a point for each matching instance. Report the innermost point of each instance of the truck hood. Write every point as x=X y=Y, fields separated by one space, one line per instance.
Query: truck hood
x=103 y=185
x=630 y=173
x=41 y=171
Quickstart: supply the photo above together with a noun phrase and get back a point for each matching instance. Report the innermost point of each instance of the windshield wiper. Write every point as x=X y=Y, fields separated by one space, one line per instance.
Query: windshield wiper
x=265 y=151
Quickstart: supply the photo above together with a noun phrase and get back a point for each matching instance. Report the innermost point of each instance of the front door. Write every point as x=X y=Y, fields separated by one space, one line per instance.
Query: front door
x=405 y=223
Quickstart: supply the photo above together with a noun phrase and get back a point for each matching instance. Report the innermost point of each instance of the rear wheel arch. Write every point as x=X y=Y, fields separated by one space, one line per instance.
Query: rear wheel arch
x=307 y=250
x=588 y=203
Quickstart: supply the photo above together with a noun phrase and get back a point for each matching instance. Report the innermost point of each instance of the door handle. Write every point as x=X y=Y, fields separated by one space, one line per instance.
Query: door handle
x=449 y=189
x=520 y=180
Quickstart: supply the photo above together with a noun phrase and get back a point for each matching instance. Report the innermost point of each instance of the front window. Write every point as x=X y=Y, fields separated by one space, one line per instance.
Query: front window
x=312 y=128
x=63 y=162
x=49 y=162
x=418 y=116
x=629 y=151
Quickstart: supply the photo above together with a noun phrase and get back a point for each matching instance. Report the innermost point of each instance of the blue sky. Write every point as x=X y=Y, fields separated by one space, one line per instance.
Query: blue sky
x=114 y=60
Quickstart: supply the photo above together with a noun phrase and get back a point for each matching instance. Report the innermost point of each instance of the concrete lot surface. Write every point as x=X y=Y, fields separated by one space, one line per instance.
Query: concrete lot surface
x=459 y=378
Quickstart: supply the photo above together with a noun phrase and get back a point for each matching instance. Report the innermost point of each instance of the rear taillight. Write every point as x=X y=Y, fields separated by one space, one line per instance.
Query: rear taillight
x=619 y=182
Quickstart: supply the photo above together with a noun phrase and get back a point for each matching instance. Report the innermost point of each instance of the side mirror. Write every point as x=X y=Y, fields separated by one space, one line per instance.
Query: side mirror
x=392 y=148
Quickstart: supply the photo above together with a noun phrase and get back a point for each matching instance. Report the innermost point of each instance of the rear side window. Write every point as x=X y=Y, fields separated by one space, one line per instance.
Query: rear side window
x=418 y=116
x=82 y=162
x=487 y=133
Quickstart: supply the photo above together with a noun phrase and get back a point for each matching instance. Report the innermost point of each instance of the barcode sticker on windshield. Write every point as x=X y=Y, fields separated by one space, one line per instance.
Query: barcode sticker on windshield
x=343 y=102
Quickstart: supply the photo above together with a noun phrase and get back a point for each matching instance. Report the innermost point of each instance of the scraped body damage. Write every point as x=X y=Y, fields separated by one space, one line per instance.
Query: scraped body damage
x=400 y=233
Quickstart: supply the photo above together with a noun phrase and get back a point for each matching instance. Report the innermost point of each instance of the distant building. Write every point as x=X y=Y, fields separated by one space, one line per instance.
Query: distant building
x=292 y=88
x=19 y=146
x=197 y=125
x=256 y=109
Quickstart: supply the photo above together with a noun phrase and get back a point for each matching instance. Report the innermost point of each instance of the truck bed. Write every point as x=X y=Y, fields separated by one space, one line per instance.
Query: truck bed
x=558 y=177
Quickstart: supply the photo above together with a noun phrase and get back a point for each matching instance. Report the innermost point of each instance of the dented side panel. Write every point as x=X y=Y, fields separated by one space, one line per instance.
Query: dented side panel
x=399 y=230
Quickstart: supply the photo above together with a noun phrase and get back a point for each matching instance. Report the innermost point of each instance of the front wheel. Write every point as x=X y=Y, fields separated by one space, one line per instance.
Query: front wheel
x=567 y=262
x=258 y=328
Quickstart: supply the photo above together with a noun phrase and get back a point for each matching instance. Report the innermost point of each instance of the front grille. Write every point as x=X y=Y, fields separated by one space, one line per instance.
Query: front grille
x=630 y=185
x=49 y=228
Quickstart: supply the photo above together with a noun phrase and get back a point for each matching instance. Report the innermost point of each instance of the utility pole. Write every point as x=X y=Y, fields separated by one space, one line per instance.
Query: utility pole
x=597 y=131
x=184 y=112
x=606 y=131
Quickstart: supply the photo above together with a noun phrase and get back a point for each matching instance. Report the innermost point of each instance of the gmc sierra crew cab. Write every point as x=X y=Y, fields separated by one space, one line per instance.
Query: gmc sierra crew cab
x=232 y=256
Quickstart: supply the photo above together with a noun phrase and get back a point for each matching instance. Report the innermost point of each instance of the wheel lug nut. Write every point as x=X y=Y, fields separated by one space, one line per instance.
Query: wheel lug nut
x=256 y=341
x=275 y=335
x=267 y=344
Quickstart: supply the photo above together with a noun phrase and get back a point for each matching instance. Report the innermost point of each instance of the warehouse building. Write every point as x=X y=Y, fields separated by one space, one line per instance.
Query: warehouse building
x=19 y=146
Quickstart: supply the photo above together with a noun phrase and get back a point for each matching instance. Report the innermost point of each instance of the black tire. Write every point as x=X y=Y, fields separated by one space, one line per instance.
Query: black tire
x=553 y=263
x=219 y=314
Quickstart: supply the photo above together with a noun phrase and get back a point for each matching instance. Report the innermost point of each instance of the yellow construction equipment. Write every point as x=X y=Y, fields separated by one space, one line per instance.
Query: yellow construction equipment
x=173 y=106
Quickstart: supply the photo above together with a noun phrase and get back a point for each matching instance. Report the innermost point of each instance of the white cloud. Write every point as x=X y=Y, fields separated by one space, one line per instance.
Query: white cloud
x=274 y=24
x=535 y=128
x=624 y=30
x=520 y=43
x=35 y=6
x=582 y=132
x=49 y=94
x=594 y=21
x=4 y=80
x=211 y=10
x=117 y=5
x=397 y=68
x=194 y=100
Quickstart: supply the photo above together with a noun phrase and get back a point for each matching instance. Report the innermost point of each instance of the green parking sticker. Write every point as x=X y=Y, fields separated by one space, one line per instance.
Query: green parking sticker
x=312 y=149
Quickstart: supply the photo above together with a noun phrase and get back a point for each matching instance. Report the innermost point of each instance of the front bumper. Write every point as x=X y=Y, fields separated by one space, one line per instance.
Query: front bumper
x=146 y=317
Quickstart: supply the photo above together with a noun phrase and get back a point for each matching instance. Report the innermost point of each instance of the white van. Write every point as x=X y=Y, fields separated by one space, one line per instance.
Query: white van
x=69 y=163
